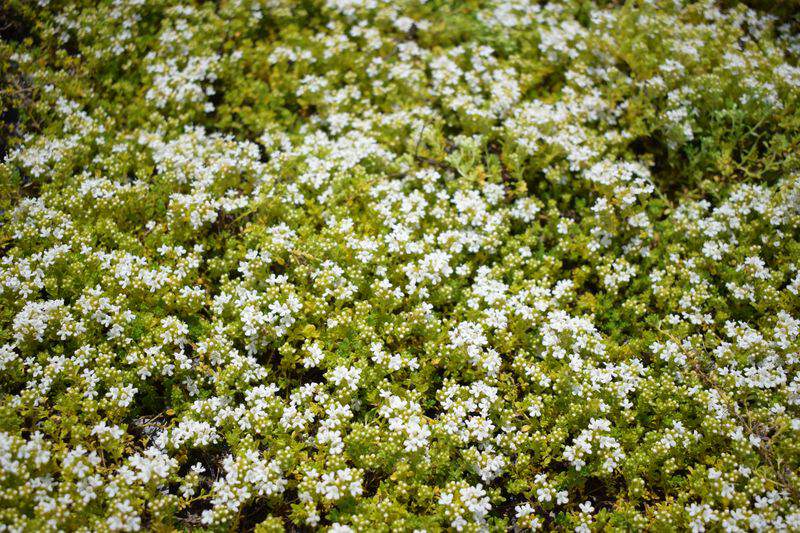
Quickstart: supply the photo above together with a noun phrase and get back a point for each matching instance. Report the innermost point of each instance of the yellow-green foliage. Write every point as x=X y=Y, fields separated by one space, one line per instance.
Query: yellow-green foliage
x=403 y=265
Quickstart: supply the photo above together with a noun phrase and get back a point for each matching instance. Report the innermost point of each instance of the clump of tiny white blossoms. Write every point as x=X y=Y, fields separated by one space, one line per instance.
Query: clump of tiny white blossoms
x=419 y=265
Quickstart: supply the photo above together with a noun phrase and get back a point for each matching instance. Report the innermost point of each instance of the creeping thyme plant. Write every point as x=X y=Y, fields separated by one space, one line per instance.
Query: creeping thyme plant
x=371 y=265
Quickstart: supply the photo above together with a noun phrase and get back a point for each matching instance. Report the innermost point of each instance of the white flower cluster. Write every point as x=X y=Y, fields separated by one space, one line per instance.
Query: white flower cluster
x=362 y=265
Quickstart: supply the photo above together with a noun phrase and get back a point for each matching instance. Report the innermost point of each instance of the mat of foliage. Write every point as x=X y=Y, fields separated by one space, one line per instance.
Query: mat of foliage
x=362 y=265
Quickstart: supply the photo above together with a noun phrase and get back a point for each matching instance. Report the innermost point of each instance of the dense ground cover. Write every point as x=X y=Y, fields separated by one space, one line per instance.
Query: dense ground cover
x=371 y=265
